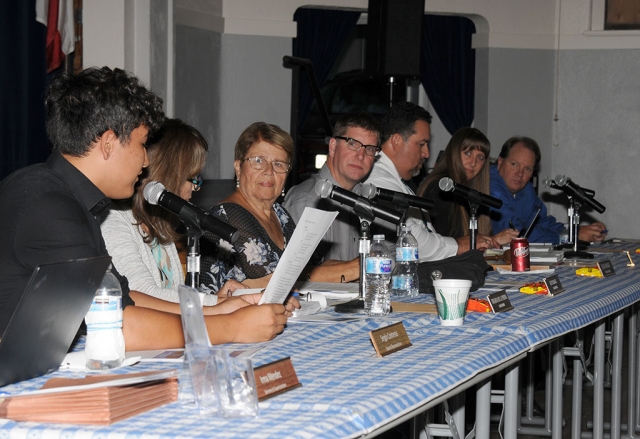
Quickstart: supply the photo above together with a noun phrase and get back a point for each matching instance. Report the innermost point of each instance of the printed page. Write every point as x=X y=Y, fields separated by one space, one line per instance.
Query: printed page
x=312 y=226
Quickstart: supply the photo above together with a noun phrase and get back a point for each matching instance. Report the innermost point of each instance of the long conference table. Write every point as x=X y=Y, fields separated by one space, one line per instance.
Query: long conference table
x=347 y=391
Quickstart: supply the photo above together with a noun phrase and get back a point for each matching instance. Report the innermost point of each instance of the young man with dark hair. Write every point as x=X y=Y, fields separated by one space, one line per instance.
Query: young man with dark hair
x=98 y=122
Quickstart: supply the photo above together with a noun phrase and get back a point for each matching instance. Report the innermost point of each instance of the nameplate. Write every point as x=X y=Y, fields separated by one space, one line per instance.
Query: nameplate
x=606 y=268
x=275 y=378
x=499 y=301
x=554 y=286
x=389 y=339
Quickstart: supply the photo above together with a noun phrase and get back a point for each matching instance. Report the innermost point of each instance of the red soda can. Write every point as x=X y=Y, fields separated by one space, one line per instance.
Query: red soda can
x=520 y=254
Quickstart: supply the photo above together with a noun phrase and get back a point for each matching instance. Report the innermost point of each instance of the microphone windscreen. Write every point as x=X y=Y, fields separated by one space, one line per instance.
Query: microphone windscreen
x=369 y=190
x=323 y=188
x=446 y=184
x=547 y=182
x=152 y=192
x=561 y=180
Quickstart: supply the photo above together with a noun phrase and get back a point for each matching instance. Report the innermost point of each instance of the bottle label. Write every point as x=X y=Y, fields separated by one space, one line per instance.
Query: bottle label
x=402 y=282
x=406 y=254
x=378 y=265
x=105 y=313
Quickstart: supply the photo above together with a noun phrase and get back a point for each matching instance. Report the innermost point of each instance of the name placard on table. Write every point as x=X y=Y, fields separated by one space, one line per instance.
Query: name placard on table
x=275 y=378
x=606 y=268
x=389 y=339
x=554 y=286
x=499 y=301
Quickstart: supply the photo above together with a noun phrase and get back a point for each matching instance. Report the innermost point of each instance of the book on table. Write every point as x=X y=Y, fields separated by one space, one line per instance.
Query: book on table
x=96 y=399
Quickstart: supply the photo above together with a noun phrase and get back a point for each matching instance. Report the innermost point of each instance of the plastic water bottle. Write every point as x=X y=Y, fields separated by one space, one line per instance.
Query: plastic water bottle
x=404 y=278
x=377 y=301
x=104 y=347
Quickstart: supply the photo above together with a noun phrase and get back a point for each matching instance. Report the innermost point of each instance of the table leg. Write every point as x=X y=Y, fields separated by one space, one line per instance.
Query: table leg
x=483 y=409
x=598 y=381
x=556 y=405
x=617 y=335
x=511 y=415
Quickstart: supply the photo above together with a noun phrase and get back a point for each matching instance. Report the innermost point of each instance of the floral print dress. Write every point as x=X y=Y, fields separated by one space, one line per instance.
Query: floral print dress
x=252 y=256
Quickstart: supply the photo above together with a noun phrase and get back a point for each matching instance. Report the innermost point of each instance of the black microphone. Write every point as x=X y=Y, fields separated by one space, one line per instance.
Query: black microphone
x=190 y=214
x=447 y=185
x=371 y=191
x=362 y=206
x=547 y=182
x=572 y=188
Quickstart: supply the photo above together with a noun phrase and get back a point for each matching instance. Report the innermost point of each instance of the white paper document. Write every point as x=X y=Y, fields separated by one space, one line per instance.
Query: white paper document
x=312 y=226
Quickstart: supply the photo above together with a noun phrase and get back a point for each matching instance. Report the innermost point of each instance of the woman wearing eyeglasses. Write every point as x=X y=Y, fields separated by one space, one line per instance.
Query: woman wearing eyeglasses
x=263 y=156
x=141 y=237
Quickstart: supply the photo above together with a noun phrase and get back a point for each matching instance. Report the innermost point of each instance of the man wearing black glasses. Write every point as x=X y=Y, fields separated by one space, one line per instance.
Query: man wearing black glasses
x=352 y=151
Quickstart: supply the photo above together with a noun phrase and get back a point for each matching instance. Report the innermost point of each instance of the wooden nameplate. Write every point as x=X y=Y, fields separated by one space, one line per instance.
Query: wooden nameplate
x=275 y=378
x=389 y=339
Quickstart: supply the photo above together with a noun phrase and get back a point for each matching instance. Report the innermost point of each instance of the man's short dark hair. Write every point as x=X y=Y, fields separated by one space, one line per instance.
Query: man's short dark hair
x=527 y=142
x=363 y=120
x=80 y=108
x=401 y=119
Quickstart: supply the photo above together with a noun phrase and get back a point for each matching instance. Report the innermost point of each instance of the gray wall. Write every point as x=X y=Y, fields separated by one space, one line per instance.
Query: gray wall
x=516 y=97
x=253 y=87
x=197 y=85
x=233 y=81
x=159 y=48
x=599 y=130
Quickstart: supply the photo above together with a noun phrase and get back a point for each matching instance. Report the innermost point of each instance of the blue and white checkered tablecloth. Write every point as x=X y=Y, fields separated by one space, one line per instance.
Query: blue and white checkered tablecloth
x=347 y=391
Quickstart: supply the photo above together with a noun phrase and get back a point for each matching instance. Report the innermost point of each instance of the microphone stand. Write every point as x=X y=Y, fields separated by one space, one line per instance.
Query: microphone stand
x=574 y=223
x=576 y=253
x=357 y=305
x=366 y=218
x=192 y=277
x=475 y=201
x=473 y=223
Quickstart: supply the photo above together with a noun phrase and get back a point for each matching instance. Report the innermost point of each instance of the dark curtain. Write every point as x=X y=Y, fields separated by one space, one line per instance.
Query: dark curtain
x=448 y=68
x=321 y=35
x=22 y=87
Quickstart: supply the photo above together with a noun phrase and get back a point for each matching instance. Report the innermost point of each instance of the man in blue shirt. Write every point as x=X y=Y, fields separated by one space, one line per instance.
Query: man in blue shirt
x=510 y=182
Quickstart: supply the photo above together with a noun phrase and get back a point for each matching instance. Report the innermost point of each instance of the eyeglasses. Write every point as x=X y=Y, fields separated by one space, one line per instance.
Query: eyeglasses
x=261 y=163
x=196 y=182
x=355 y=145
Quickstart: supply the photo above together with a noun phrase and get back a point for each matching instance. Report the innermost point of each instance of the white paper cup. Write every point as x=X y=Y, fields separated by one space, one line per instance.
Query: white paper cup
x=451 y=300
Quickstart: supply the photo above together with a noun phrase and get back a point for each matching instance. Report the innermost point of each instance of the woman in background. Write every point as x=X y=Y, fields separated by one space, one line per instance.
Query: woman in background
x=263 y=155
x=465 y=162
x=141 y=237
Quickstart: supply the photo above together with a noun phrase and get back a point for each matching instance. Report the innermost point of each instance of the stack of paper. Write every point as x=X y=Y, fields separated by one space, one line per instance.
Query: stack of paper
x=102 y=399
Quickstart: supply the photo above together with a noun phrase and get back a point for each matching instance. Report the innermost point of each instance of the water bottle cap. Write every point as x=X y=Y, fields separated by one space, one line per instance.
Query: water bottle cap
x=378 y=237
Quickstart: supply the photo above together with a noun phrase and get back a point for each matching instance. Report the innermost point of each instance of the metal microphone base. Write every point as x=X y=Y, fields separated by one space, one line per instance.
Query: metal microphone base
x=577 y=255
x=582 y=245
x=355 y=306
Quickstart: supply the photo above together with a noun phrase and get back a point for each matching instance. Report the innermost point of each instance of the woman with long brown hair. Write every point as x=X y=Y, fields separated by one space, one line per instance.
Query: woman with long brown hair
x=141 y=237
x=465 y=162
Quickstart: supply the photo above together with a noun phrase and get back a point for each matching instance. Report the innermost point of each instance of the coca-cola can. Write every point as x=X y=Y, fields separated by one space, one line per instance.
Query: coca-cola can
x=520 y=254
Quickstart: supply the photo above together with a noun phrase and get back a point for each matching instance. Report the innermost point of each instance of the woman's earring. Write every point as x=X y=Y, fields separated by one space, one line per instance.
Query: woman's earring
x=237 y=184
x=283 y=192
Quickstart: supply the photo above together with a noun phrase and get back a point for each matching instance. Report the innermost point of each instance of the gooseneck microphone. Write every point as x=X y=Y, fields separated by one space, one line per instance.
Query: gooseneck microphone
x=362 y=206
x=371 y=191
x=579 y=193
x=448 y=185
x=190 y=214
x=548 y=182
